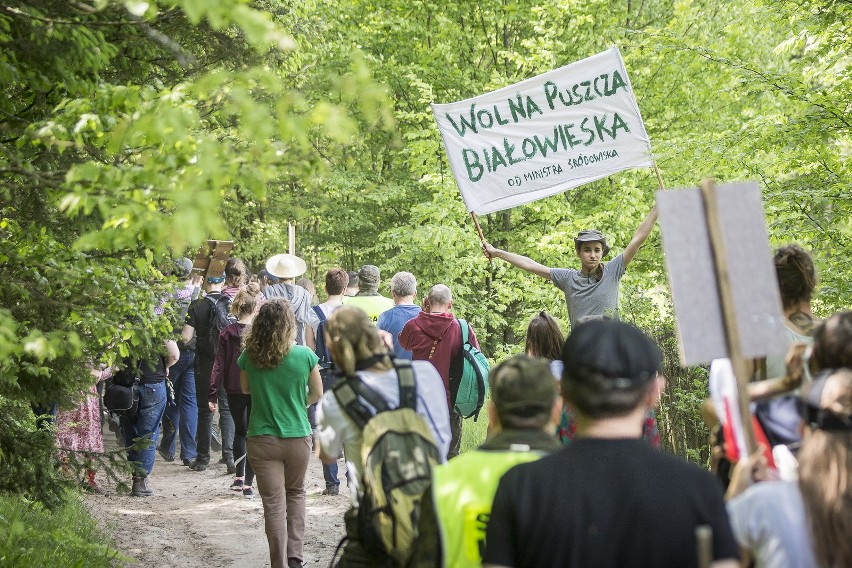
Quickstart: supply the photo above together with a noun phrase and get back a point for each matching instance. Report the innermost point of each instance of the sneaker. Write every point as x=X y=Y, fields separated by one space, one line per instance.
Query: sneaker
x=198 y=466
x=294 y=563
x=333 y=490
x=165 y=456
x=237 y=485
x=188 y=462
x=248 y=492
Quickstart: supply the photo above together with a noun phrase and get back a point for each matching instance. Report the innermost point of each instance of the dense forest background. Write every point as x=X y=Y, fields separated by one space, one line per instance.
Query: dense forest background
x=130 y=131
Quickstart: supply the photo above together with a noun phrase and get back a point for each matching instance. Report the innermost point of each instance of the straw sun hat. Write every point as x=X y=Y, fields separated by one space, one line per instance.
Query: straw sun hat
x=286 y=266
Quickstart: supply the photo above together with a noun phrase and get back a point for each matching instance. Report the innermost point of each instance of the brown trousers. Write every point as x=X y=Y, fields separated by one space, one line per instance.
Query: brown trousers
x=279 y=466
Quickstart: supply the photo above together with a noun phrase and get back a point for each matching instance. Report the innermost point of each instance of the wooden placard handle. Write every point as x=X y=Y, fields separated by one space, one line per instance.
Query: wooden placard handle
x=729 y=316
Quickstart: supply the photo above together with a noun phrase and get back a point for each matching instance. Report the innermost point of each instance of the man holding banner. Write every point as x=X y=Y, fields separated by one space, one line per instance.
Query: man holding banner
x=593 y=289
x=540 y=137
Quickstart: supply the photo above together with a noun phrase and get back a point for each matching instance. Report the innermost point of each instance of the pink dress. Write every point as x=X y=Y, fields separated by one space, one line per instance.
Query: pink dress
x=80 y=428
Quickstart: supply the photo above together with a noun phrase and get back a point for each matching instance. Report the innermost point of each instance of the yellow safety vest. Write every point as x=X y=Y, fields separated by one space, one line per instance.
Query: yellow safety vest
x=463 y=490
x=373 y=305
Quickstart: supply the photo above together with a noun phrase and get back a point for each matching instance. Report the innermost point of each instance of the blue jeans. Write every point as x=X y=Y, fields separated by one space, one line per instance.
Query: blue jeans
x=152 y=404
x=329 y=472
x=183 y=414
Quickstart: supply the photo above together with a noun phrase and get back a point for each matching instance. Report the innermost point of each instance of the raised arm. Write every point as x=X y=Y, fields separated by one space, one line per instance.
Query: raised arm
x=518 y=260
x=641 y=234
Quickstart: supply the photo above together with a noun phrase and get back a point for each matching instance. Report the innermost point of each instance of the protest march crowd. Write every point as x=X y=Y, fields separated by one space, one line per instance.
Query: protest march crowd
x=571 y=473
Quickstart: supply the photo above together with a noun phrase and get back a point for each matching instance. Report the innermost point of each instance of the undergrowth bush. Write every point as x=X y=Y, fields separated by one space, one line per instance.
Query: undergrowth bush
x=67 y=536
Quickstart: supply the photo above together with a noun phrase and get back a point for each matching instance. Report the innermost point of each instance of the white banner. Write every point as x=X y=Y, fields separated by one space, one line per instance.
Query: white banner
x=544 y=135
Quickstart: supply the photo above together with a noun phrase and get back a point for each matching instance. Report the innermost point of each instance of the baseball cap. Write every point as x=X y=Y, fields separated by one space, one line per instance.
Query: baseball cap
x=183 y=266
x=368 y=278
x=612 y=349
x=522 y=386
x=591 y=235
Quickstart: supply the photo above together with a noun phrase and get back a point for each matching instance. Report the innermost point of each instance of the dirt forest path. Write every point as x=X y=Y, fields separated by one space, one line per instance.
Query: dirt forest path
x=195 y=521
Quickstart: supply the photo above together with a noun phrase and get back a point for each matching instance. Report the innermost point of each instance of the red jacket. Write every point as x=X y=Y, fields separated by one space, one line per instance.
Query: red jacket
x=225 y=371
x=441 y=331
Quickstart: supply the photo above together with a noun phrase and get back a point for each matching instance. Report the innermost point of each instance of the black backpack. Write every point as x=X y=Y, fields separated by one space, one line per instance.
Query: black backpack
x=327 y=368
x=220 y=318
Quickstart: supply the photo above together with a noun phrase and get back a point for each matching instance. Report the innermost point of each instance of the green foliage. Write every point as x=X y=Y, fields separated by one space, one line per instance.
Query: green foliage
x=131 y=131
x=31 y=535
x=124 y=127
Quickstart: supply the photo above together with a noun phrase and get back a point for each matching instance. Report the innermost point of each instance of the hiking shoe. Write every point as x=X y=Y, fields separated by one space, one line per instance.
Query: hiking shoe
x=141 y=488
x=232 y=469
x=198 y=466
x=237 y=485
x=188 y=462
x=333 y=490
x=165 y=456
x=248 y=492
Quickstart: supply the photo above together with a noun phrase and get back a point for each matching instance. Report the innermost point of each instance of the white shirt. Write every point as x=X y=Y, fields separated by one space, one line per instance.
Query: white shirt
x=769 y=520
x=338 y=433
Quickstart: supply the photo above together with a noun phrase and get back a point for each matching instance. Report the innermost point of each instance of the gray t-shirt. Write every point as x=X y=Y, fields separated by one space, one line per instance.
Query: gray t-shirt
x=587 y=296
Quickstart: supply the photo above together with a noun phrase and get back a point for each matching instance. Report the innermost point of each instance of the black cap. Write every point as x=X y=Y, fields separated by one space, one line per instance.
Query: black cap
x=613 y=349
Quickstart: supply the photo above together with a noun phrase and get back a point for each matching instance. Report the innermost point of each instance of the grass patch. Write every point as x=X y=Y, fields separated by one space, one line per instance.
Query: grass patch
x=31 y=535
x=473 y=433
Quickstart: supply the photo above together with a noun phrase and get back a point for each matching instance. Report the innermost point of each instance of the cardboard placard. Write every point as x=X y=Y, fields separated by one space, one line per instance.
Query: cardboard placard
x=692 y=273
x=211 y=258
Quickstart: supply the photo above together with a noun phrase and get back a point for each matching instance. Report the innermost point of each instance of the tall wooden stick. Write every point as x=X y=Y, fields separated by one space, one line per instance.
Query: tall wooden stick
x=729 y=316
x=481 y=236
x=659 y=177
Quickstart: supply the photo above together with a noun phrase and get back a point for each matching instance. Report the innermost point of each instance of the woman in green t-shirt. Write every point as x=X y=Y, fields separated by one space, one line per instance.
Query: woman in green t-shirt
x=283 y=379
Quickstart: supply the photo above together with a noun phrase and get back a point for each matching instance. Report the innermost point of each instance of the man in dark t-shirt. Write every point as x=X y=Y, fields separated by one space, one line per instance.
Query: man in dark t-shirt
x=608 y=499
x=198 y=323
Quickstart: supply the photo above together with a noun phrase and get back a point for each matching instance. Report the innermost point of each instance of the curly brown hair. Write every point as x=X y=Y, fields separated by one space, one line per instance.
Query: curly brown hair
x=270 y=336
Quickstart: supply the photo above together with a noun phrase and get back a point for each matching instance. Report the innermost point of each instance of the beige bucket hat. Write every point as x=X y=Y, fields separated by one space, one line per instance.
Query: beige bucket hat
x=286 y=266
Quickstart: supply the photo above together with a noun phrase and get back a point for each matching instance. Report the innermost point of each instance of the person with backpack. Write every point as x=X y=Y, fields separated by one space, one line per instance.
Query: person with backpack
x=283 y=379
x=435 y=335
x=226 y=377
x=206 y=318
x=522 y=415
x=181 y=418
x=336 y=281
x=147 y=379
x=378 y=394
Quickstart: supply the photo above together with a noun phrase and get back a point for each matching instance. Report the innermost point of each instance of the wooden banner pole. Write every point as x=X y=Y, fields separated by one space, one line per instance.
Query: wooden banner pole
x=732 y=334
x=659 y=177
x=481 y=236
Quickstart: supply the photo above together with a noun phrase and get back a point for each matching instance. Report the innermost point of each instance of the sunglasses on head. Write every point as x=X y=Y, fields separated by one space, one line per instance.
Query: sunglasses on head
x=821 y=418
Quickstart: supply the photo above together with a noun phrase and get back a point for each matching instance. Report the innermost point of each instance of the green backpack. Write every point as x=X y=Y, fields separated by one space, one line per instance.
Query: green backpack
x=468 y=377
x=398 y=452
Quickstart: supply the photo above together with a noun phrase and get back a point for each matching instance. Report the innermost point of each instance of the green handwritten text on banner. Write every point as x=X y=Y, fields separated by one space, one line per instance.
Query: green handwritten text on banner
x=544 y=135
